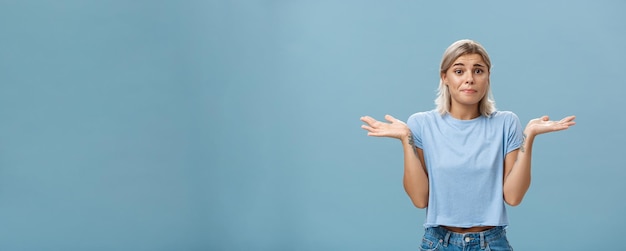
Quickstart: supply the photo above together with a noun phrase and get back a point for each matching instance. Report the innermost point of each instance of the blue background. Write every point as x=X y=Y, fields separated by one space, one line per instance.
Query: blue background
x=234 y=125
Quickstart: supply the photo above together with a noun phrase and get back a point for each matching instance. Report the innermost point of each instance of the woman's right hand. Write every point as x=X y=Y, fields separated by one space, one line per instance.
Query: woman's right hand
x=394 y=129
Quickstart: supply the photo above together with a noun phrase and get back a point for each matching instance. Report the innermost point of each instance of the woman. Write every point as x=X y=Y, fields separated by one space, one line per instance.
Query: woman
x=464 y=160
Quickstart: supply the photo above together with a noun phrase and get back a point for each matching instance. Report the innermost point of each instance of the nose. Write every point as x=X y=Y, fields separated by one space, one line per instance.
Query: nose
x=470 y=79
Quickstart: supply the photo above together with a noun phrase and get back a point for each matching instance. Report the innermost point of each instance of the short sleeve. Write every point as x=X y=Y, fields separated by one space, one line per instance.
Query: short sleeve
x=414 y=123
x=514 y=137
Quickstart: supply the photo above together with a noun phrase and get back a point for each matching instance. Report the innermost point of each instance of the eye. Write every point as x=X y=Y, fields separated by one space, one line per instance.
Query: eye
x=478 y=71
x=457 y=71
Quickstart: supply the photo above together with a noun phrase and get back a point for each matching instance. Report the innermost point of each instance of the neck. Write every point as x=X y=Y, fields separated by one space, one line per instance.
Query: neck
x=464 y=112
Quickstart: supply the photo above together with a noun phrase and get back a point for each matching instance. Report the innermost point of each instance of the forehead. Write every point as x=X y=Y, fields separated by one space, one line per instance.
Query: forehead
x=469 y=60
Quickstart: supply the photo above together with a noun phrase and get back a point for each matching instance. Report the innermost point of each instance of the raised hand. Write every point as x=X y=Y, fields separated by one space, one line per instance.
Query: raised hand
x=545 y=125
x=394 y=129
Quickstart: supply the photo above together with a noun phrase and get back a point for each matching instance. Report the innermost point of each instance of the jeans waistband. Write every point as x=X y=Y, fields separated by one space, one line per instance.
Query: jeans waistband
x=464 y=239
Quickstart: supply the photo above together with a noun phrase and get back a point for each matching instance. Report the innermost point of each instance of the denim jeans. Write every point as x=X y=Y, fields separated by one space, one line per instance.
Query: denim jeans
x=441 y=239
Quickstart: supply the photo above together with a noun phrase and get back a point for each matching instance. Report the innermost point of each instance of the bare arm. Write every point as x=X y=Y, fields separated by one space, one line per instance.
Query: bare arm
x=415 y=177
x=517 y=163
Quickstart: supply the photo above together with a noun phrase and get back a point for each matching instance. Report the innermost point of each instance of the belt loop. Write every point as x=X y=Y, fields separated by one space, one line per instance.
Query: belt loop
x=446 y=239
x=482 y=240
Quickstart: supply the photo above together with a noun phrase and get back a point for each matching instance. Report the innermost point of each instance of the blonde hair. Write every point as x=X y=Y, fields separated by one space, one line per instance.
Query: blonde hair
x=487 y=105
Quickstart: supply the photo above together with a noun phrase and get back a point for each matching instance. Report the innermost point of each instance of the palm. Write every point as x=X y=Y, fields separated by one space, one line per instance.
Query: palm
x=394 y=129
x=545 y=125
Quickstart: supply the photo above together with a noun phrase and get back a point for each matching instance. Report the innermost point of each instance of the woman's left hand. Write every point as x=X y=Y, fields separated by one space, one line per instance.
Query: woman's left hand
x=544 y=125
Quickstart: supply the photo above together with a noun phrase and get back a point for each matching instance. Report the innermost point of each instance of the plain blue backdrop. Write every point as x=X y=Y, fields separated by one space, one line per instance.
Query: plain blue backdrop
x=234 y=125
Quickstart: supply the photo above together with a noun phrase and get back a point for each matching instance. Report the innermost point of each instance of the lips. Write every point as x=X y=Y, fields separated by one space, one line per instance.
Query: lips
x=468 y=91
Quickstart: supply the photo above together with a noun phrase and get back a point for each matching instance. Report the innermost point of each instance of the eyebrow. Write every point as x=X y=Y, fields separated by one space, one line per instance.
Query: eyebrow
x=461 y=64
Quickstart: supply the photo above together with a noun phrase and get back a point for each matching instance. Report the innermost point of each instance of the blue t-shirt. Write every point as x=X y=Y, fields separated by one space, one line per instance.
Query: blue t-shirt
x=465 y=164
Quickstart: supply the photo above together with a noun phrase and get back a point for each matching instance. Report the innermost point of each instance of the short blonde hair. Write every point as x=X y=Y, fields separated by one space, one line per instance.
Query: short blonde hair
x=487 y=105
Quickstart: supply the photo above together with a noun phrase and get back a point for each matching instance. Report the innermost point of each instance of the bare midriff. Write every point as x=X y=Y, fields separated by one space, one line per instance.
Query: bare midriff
x=463 y=230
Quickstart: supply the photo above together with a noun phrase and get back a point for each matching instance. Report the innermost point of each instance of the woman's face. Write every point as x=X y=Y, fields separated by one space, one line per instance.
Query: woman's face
x=467 y=80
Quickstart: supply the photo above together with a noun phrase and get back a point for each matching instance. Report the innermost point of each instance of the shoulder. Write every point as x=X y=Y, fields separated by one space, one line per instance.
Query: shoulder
x=506 y=119
x=420 y=116
x=418 y=120
x=503 y=115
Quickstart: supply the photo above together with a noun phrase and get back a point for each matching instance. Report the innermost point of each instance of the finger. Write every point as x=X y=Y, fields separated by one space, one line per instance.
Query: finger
x=390 y=118
x=568 y=119
x=366 y=118
x=545 y=118
x=367 y=128
x=371 y=131
x=369 y=120
x=560 y=128
x=563 y=125
x=568 y=124
x=375 y=134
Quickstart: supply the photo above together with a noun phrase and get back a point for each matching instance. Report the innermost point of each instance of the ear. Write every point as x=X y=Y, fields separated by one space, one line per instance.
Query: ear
x=443 y=78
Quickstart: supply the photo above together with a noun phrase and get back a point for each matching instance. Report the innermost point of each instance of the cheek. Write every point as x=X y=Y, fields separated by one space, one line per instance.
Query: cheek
x=454 y=81
x=484 y=82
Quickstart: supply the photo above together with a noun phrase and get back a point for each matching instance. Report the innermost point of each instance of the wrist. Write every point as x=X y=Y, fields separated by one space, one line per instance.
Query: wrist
x=407 y=138
x=529 y=133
